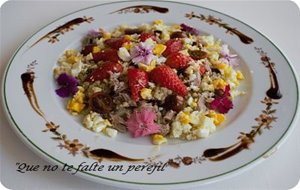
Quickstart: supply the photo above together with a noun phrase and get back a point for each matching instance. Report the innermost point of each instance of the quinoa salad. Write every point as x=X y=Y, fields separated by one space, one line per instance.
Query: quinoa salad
x=156 y=81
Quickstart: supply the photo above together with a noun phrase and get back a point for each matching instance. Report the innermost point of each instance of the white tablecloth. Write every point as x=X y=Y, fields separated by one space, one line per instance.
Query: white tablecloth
x=279 y=21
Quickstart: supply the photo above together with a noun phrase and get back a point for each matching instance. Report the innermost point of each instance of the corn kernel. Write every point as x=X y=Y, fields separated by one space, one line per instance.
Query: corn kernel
x=158 y=139
x=159 y=49
x=239 y=75
x=96 y=49
x=146 y=93
x=219 y=84
x=158 y=22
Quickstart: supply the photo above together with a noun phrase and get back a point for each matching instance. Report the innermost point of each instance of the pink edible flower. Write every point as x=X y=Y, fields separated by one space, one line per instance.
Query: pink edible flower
x=141 y=123
x=226 y=57
x=222 y=103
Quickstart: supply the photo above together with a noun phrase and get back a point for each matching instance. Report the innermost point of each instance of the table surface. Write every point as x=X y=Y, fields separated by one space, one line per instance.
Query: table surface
x=278 y=20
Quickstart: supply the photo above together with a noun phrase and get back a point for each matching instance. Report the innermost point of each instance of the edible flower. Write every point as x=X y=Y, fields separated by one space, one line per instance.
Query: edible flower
x=226 y=57
x=94 y=33
x=68 y=85
x=142 y=53
x=222 y=103
x=141 y=123
x=189 y=29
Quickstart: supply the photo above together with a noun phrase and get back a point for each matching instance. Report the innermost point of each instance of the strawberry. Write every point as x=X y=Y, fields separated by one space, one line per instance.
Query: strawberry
x=137 y=80
x=173 y=45
x=116 y=43
x=104 y=71
x=178 y=60
x=144 y=36
x=166 y=77
x=106 y=55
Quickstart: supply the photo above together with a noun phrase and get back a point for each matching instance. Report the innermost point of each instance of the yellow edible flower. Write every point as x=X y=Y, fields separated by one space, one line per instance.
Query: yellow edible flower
x=158 y=139
x=239 y=75
x=219 y=84
x=159 y=49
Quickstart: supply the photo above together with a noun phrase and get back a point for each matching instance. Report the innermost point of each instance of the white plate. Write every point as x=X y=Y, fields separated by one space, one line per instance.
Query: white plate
x=255 y=128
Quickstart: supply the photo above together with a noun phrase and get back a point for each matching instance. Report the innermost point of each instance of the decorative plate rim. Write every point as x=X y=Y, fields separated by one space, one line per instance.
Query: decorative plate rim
x=239 y=169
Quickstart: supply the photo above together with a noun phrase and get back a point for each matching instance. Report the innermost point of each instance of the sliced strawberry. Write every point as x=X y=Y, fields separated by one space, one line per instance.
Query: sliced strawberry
x=116 y=43
x=178 y=60
x=106 y=55
x=144 y=36
x=137 y=80
x=173 y=46
x=104 y=71
x=166 y=77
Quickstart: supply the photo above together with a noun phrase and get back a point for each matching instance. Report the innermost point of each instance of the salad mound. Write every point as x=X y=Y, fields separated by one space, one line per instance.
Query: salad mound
x=157 y=80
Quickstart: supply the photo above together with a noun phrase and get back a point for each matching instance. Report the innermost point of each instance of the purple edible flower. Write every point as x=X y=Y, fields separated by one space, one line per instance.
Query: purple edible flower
x=226 y=57
x=68 y=85
x=189 y=29
x=94 y=33
x=142 y=53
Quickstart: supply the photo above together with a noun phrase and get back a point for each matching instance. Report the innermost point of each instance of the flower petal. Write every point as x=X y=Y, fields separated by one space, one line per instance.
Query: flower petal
x=141 y=123
x=68 y=83
x=63 y=92
x=62 y=79
x=138 y=59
